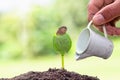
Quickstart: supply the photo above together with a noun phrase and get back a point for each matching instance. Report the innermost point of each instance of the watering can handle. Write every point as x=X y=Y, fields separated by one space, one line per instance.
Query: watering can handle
x=105 y=32
x=104 y=29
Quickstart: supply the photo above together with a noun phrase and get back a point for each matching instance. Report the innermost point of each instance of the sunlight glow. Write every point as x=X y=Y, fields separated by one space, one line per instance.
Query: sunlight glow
x=5 y=5
x=43 y=3
x=22 y=6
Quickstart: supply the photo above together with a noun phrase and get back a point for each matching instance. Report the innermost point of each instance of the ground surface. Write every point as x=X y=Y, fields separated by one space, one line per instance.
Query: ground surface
x=52 y=74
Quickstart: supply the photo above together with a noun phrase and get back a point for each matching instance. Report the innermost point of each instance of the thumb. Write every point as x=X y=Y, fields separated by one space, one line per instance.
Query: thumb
x=107 y=13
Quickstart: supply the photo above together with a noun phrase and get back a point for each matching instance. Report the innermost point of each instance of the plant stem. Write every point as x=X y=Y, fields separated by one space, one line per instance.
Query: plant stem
x=62 y=56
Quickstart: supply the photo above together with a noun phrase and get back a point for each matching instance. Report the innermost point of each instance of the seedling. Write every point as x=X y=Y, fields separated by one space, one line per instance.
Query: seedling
x=62 y=42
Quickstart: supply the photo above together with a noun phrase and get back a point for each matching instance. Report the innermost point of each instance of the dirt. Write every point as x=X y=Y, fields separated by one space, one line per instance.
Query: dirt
x=52 y=74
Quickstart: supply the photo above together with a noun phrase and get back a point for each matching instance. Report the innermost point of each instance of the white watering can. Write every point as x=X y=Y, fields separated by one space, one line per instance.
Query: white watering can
x=92 y=44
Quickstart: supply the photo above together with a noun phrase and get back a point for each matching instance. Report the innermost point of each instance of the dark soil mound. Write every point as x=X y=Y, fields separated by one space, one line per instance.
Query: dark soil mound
x=52 y=74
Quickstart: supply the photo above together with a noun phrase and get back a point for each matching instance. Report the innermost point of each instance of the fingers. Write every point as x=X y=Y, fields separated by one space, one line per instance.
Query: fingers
x=111 y=30
x=107 y=13
x=93 y=7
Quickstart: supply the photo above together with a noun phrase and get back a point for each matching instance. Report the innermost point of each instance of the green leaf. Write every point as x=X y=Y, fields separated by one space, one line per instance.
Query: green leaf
x=62 y=43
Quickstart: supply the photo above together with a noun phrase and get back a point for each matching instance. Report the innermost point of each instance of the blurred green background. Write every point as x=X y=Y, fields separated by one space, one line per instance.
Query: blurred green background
x=26 y=31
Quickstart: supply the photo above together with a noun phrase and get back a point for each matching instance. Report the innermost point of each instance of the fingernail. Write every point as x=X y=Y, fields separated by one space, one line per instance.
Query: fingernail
x=98 y=19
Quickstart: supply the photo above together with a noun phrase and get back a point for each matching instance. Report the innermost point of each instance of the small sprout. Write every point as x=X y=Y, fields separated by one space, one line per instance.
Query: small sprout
x=62 y=42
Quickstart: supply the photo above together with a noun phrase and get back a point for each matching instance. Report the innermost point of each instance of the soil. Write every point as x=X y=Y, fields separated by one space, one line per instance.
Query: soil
x=52 y=74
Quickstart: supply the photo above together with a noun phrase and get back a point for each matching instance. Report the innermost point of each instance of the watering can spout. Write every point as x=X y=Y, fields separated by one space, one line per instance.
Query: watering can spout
x=79 y=56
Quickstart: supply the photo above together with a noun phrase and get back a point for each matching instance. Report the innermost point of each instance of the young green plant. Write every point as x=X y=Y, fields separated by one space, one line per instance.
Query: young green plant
x=62 y=42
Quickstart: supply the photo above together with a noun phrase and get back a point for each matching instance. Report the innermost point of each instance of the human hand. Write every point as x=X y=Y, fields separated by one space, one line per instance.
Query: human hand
x=105 y=12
